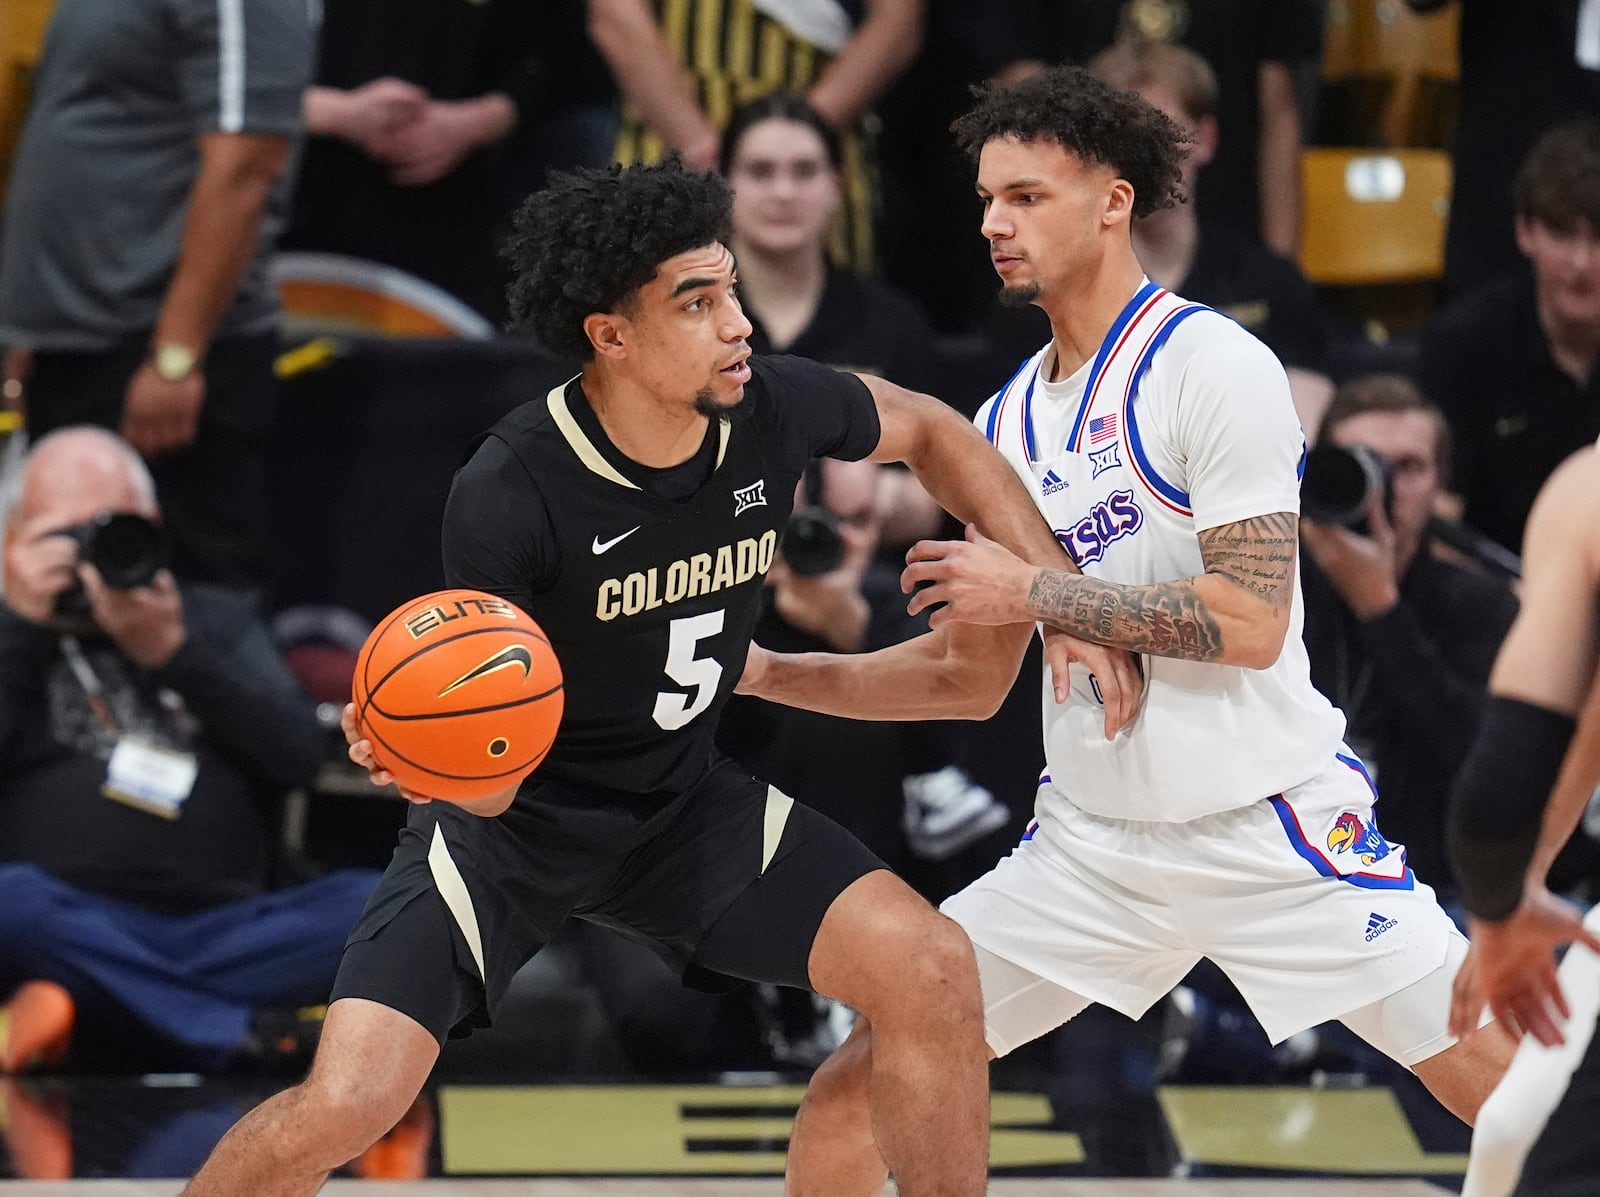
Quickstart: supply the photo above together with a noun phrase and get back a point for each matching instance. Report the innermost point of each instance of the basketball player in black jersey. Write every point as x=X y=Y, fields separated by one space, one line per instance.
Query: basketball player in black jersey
x=633 y=512
x=1519 y=796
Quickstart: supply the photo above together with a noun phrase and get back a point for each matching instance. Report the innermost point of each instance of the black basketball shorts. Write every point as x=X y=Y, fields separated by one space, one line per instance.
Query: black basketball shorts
x=730 y=880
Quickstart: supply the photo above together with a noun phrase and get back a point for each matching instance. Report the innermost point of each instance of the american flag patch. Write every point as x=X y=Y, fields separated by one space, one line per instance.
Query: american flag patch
x=1102 y=429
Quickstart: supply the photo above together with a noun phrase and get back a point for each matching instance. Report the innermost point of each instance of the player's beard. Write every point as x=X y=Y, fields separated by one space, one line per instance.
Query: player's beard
x=1019 y=296
x=706 y=404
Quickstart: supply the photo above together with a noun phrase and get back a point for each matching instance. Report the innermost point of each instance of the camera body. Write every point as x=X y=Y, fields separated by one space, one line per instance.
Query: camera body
x=1341 y=483
x=811 y=544
x=127 y=549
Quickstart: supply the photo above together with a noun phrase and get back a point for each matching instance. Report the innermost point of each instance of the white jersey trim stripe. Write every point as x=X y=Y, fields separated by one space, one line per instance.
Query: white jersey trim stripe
x=1172 y=497
x=1104 y=358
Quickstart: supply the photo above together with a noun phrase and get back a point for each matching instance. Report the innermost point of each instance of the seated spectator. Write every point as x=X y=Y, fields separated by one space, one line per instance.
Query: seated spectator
x=1401 y=636
x=785 y=165
x=147 y=728
x=1512 y=362
x=1201 y=259
x=410 y=99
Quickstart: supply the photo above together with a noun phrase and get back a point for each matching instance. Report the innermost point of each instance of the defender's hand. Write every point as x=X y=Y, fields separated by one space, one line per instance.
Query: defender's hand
x=1511 y=968
x=1116 y=673
x=977 y=580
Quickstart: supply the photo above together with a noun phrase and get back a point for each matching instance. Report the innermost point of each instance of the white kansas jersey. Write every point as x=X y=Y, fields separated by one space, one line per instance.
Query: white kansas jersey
x=1181 y=422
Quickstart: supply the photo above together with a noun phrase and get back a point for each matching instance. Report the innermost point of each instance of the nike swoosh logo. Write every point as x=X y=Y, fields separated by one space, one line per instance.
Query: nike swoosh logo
x=600 y=546
x=504 y=659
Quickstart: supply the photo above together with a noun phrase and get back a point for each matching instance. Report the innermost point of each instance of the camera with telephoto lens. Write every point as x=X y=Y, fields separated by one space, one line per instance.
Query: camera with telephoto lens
x=1340 y=484
x=126 y=549
x=811 y=542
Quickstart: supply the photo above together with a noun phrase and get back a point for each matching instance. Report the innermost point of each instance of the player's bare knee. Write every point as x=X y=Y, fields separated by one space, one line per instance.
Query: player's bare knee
x=934 y=977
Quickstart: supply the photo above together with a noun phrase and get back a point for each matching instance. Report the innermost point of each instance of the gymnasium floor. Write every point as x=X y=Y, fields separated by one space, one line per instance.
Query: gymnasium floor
x=707 y=1140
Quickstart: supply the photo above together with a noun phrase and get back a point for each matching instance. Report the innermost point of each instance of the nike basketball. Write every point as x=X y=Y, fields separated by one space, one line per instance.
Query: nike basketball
x=460 y=694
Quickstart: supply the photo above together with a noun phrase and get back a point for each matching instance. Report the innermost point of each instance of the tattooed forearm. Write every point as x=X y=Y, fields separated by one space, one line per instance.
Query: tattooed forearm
x=1195 y=619
x=1166 y=618
x=1257 y=554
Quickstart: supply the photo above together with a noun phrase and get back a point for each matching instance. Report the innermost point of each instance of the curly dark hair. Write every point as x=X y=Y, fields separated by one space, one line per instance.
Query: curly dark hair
x=1090 y=118
x=590 y=239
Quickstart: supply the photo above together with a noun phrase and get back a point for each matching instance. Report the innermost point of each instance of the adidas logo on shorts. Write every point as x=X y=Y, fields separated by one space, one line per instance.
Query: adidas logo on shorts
x=1052 y=482
x=1377 y=925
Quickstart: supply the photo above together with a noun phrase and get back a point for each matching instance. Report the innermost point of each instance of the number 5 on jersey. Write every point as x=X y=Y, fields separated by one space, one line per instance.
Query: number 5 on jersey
x=697 y=674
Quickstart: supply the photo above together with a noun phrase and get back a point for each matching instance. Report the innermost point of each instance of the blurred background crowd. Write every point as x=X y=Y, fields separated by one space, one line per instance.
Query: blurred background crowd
x=254 y=242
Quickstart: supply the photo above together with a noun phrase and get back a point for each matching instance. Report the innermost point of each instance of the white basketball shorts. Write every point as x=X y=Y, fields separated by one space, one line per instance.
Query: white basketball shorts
x=1298 y=898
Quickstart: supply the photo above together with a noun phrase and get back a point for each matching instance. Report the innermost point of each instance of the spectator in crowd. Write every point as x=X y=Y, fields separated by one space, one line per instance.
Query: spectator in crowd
x=1400 y=634
x=147 y=729
x=410 y=97
x=681 y=85
x=786 y=166
x=144 y=203
x=1524 y=68
x=1254 y=46
x=1512 y=362
x=1188 y=253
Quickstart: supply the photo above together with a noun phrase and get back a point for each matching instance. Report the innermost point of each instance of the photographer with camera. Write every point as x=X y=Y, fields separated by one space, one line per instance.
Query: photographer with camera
x=148 y=729
x=1401 y=632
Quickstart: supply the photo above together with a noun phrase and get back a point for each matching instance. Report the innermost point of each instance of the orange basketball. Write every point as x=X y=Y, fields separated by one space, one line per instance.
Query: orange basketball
x=460 y=694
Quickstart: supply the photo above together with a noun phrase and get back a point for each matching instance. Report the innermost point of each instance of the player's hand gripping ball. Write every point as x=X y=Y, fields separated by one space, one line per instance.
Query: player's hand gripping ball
x=460 y=694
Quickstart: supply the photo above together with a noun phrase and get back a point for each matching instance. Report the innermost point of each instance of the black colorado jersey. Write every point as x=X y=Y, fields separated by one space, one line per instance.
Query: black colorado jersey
x=650 y=603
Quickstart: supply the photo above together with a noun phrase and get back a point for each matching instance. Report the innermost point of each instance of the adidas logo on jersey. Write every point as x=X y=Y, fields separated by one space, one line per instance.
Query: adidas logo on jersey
x=1052 y=483
x=1377 y=925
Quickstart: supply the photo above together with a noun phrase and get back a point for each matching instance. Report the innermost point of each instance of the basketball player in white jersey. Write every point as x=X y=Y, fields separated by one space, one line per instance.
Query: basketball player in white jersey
x=1539 y=739
x=1227 y=819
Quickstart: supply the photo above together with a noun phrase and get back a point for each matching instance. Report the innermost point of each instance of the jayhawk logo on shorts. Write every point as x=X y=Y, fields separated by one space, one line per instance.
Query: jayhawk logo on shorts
x=1350 y=834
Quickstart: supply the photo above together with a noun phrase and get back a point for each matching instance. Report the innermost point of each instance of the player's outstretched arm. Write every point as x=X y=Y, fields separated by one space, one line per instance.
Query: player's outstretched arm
x=963 y=472
x=1236 y=613
x=963 y=671
x=969 y=478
